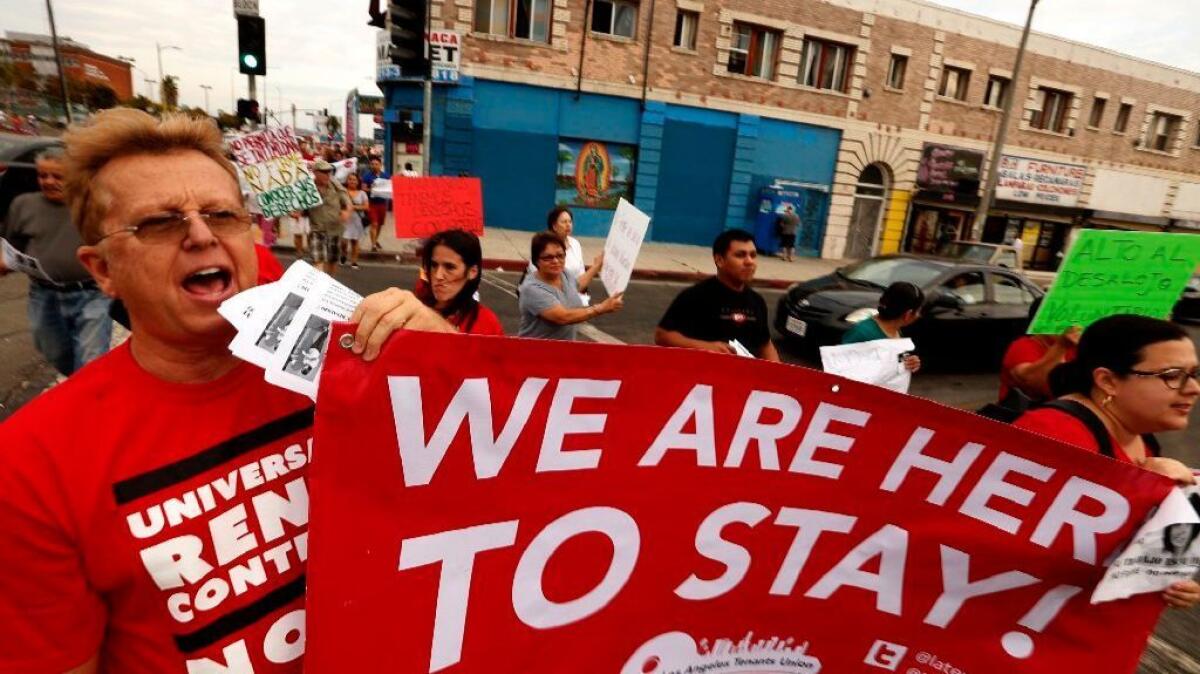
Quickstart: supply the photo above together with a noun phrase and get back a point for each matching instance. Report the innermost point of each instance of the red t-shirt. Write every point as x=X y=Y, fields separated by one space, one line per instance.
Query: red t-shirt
x=1027 y=349
x=269 y=269
x=155 y=524
x=1061 y=426
x=486 y=323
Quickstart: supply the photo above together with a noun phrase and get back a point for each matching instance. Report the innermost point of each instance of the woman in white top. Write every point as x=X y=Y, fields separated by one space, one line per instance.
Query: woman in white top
x=560 y=221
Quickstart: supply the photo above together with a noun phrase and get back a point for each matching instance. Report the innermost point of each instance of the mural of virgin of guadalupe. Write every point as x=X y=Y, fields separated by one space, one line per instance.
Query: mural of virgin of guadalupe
x=593 y=175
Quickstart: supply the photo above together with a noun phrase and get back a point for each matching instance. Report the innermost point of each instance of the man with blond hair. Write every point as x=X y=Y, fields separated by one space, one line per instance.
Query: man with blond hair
x=67 y=312
x=153 y=508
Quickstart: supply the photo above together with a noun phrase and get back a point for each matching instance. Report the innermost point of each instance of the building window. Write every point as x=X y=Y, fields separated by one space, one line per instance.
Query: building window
x=614 y=17
x=685 y=29
x=1123 y=114
x=996 y=95
x=896 y=71
x=954 y=83
x=1163 y=129
x=1052 y=108
x=826 y=65
x=754 y=51
x=1097 y=115
x=523 y=19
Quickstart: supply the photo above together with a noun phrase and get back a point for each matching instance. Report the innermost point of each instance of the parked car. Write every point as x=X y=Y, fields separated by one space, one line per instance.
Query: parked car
x=972 y=311
x=994 y=254
x=17 y=173
x=1187 y=309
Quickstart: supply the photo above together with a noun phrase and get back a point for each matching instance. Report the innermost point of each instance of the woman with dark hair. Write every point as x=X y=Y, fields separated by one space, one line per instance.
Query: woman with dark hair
x=551 y=307
x=899 y=307
x=1132 y=376
x=561 y=221
x=453 y=263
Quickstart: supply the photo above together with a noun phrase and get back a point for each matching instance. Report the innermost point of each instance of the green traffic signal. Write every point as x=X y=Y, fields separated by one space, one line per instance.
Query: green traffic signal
x=250 y=61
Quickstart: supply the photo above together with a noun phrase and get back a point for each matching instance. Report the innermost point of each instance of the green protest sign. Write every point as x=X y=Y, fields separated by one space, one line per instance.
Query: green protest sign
x=1115 y=272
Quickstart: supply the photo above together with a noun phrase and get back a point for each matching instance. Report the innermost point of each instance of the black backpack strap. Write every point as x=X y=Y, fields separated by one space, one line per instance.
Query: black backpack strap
x=1152 y=446
x=1088 y=418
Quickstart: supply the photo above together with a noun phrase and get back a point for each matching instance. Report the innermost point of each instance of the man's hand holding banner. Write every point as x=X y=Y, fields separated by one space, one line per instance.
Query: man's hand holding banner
x=499 y=505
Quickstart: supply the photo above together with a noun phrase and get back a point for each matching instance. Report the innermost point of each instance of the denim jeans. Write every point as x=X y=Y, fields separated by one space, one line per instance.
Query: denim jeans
x=70 y=327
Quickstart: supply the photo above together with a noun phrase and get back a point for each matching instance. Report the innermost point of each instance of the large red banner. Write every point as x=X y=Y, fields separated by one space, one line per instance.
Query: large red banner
x=424 y=206
x=501 y=505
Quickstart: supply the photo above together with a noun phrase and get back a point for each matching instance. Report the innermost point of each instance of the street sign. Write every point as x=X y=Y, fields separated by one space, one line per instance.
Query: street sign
x=245 y=7
x=388 y=72
x=445 y=51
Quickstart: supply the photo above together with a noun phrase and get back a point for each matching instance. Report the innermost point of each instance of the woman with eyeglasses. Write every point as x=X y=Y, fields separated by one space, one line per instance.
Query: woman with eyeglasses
x=560 y=221
x=1132 y=377
x=551 y=306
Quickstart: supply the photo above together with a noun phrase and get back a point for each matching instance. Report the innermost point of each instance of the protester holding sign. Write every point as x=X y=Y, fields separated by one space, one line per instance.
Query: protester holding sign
x=68 y=313
x=551 y=306
x=561 y=222
x=718 y=311
x=899 y=307
x=452 y=262
x=378 y=204
x=1029 y=360
x=138 y=497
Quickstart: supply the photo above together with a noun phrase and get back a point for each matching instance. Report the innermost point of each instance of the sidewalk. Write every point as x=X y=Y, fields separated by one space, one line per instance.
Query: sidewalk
x=508 y=250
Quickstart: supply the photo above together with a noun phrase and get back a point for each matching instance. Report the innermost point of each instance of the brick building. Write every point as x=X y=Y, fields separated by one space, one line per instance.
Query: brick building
x=35 y=54
x=873 y=118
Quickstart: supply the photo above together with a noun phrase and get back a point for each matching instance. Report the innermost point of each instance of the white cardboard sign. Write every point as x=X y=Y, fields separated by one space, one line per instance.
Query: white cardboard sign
x=877 y=362
x=625 y=238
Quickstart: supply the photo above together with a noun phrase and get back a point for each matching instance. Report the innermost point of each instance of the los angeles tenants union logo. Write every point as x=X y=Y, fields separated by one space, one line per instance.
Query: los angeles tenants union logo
x=679 y=653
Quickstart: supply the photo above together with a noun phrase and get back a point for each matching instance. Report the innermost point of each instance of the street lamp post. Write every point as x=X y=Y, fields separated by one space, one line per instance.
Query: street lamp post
x=989 y=191
x=62 y=75
x=207 y=88
x=160 y=48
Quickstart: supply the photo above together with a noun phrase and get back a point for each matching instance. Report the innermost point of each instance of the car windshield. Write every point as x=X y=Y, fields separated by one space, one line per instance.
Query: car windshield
x=967 y=251
x=883 y=272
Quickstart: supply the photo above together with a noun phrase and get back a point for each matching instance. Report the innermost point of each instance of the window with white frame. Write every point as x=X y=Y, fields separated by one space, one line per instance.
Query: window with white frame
x=1097 y=115
x=614 y=17
x=1053 y=108
x=826 y=65
x=1123 y=114
x=754 y=51
x=955 y=82
x=522 y=19
x=997 y=91
x=897 y=69
x=1163 y=129
x=686 y=23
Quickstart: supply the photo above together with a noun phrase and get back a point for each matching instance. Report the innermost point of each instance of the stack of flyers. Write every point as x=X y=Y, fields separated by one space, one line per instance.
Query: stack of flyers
x=284 y=327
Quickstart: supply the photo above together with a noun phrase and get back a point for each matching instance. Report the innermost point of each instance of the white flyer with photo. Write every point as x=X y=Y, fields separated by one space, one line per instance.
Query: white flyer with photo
x=259 y=336
x=879 y=362
x=621 y=249
x=15 y=260
x=1164 y=550
x=296 y=361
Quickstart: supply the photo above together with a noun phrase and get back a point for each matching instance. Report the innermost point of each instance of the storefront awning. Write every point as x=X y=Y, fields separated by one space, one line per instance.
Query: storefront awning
x=1133 y=219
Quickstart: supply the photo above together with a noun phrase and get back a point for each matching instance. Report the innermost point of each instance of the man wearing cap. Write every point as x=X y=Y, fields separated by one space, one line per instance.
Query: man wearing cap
x=328 y=220
x=69 y=314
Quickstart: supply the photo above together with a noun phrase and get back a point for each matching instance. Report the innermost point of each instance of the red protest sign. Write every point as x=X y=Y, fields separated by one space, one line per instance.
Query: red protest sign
x=503 y=505
x=425 y=206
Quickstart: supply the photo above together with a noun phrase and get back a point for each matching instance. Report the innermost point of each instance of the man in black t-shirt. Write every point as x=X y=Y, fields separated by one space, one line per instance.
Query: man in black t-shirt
x=715 y=311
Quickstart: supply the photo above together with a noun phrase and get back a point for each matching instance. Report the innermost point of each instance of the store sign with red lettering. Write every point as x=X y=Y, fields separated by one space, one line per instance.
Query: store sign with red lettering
x=501 y=505
x=1039 y=182
x=425 y=206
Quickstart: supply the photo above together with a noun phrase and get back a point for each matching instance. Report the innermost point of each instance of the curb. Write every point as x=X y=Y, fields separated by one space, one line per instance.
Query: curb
x=408 y=256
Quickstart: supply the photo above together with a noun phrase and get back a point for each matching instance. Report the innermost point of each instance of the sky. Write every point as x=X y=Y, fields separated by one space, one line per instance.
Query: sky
x=318 y=50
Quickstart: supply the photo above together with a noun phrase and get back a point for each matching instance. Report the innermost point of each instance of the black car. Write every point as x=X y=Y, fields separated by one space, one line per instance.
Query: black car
x=17 y=173
x=1187 y=309
x=972 y=311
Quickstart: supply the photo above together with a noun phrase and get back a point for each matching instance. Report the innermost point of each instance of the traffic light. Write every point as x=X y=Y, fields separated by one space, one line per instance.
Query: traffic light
x=252 y=45
x=406 y=20
x=247 y=108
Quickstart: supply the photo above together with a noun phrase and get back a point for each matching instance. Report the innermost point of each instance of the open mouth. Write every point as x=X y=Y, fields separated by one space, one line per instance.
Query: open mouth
x=210 y=282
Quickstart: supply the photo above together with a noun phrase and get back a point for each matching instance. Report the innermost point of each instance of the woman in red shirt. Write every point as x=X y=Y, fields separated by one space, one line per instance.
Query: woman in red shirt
x=1136 y=376
x=452 y=262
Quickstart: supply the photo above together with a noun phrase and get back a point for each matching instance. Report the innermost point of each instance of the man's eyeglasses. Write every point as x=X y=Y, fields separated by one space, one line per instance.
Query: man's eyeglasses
x=553 y=258
x=1175 y=377
x=172 y=227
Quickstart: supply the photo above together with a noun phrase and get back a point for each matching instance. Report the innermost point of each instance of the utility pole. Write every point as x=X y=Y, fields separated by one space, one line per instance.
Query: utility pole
x=160 y=47
x=62 y=75
x=989 y=191
x=427 y=113
x=207 y=88
x=252 y=92
x=293 y=118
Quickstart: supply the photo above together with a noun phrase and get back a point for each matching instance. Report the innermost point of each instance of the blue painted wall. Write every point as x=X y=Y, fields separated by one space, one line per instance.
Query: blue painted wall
x=698 y=172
